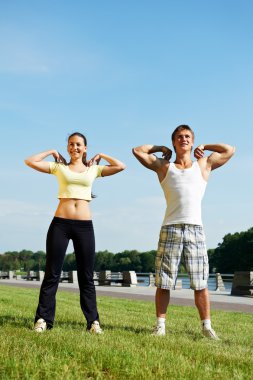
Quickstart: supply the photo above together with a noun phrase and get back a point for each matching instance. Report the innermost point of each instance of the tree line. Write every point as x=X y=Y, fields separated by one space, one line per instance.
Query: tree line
x=127 y=260
x=235 y=253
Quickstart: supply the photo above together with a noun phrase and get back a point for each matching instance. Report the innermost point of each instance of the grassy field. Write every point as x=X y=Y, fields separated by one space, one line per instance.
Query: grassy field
x=126 y=350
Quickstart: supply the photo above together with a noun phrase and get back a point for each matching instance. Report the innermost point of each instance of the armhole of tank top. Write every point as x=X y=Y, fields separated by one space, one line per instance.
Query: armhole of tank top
x=200 y=171
x=161 y=183
x=196 y=163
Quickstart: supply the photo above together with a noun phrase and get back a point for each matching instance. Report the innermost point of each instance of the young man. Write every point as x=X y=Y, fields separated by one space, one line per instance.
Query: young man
x=181 y=235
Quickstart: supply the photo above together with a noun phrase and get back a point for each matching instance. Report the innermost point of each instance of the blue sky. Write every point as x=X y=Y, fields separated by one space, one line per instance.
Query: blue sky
x=124 y=74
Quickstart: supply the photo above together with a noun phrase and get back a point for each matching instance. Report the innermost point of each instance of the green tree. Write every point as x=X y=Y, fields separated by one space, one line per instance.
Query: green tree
x=69 y=262
x=127 y=260
x=212 y=260
x=235 y=253
x=9 y=261
x=148 y=261
x=39 y=258
x=24 y=257
x=104 y=260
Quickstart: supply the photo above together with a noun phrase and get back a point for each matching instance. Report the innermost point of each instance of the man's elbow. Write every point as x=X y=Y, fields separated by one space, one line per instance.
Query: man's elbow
x=135 y=152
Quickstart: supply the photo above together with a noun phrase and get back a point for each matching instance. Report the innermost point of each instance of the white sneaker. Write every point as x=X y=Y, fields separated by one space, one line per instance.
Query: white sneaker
x=40 y=325
x=158 y=331
x=95 y=328
x=210 y=333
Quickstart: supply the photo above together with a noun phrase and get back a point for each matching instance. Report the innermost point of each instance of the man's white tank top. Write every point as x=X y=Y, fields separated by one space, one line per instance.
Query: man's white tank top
x=183 y=190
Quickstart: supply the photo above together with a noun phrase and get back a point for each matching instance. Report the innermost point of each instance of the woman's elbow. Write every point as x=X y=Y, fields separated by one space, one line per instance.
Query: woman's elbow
x=30 y=163
x=27 y=162
x=120 y=167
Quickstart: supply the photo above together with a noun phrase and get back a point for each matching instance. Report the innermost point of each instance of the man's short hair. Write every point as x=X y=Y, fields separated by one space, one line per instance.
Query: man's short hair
x=181 y=128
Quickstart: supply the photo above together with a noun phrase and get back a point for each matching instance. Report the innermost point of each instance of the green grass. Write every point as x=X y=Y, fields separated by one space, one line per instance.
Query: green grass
x=126 y=350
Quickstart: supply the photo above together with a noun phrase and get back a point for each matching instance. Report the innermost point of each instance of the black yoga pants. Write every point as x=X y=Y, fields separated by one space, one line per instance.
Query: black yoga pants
x=82 y=234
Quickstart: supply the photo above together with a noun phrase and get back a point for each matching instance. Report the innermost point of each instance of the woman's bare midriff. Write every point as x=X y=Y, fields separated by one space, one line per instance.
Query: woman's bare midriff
x=69 y=208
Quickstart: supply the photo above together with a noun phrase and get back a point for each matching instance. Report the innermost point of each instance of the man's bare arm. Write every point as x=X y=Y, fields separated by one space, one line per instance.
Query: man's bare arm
x=221 y=154
x=145 y=155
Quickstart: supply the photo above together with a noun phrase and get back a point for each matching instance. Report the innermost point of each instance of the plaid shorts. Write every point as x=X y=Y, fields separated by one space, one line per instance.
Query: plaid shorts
x=186 y=241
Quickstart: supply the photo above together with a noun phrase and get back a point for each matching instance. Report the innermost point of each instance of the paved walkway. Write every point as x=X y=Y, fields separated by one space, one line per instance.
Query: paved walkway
x=219 y=300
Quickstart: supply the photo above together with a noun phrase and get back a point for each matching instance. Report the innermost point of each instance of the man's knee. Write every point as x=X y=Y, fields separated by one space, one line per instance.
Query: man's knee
x=198 y=285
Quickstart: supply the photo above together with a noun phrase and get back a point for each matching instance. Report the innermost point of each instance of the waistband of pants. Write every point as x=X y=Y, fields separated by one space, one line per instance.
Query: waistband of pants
x=183 y=226
x=72 y=221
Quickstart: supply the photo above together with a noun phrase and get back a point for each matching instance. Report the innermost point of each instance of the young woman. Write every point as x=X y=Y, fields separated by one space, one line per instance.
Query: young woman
x=72 y=220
